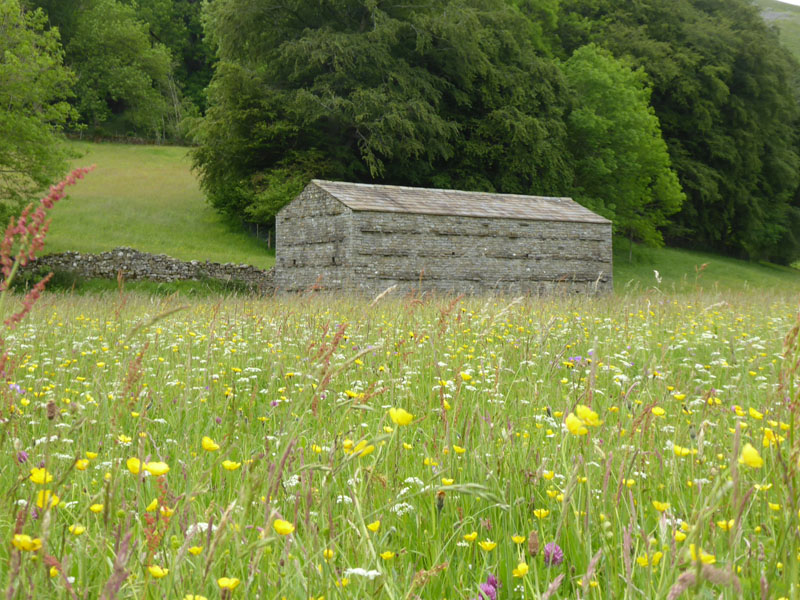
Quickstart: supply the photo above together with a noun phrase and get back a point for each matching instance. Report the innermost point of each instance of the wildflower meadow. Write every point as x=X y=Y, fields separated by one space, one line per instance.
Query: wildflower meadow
x=637 y=446
x=466 y=448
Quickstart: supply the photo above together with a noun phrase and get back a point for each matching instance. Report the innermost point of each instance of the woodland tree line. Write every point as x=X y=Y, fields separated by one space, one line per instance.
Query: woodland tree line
x=677 y=119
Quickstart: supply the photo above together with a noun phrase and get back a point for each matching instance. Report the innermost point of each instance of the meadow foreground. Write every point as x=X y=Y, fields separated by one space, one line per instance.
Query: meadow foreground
x=627 y=447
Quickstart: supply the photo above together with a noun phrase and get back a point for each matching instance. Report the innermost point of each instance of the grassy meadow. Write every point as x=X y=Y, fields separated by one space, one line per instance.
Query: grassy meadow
x=146 y=197
x=674 y=270
x=641 y=446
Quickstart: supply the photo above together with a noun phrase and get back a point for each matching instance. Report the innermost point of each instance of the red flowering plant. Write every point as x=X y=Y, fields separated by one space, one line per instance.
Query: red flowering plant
x=24 y=237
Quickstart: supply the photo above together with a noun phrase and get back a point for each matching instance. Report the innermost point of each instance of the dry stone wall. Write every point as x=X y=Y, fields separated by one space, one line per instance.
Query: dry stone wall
x=479 y=255
x=135 y=265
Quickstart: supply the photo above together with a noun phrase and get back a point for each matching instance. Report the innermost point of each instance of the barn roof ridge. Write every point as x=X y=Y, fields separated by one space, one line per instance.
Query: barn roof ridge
x=435 y=201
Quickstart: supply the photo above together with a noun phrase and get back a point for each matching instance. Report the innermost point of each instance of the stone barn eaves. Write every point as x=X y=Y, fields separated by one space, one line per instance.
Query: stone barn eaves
x=400 y=199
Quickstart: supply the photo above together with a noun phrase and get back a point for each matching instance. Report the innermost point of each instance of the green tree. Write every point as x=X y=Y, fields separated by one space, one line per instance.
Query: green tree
x=63 y=14
x=125 y=81
x=725 y=92
x=177 y=25
x=447 y=94
x=622 y=167
x=34 y=89
x=123 y=77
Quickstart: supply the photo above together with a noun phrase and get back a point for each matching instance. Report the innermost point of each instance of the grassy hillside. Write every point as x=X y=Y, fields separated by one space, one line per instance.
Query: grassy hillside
x=787 y=18
x=686 y=271
x=146 y=197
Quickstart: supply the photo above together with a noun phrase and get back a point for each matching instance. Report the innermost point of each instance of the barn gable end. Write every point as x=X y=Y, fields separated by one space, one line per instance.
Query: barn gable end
x=313 y=238
x=440 y=240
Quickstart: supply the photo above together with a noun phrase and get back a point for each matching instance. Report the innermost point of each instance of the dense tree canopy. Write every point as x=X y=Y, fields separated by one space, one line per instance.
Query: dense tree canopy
x=449 y=94
x=622 y=168
x=34 y=89
x=467 y=94
x=177 y=25
x=141 y=65
x=725 y=92
x=693 y=99
x=121 y=74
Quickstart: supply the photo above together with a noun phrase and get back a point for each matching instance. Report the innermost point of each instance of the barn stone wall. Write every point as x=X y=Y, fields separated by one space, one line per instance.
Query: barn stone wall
x=312 y=239
x=322 y=243
x=479 y=255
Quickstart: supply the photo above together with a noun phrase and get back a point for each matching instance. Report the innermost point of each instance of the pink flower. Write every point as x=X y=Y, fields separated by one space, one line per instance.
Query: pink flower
x=553 y=554
x=488 y=590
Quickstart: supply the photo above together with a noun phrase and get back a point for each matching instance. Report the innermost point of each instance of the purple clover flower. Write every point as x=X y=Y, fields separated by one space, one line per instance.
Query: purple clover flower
x=553 y=554
x=488 y=590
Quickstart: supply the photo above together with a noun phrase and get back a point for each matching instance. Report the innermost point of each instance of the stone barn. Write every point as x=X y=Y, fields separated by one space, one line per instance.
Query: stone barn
x=366 y=238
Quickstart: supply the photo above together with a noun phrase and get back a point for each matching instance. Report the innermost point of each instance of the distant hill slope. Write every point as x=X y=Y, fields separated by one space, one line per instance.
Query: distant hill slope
x=687 y=271
x=787 y=18
x=146 y=197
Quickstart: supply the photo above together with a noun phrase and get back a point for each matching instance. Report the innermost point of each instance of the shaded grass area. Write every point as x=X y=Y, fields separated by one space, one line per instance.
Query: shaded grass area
x=146 y=197
x=688 y=271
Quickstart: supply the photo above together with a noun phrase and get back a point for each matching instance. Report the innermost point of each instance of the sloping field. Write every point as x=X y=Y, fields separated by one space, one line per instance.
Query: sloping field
x=146 y=197
x=687 y=271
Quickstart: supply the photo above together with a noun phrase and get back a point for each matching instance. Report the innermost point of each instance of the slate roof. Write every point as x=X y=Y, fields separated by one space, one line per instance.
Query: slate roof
x=429 y=201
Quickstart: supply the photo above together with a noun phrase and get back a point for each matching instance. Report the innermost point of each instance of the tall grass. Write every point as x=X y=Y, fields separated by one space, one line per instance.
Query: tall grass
x=296 y=394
